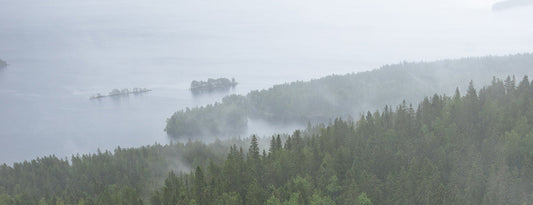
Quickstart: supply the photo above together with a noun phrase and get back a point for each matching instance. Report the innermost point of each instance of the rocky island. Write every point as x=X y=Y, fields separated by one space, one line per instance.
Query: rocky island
x=122 y=92
x=212 y=85
x=3 y=64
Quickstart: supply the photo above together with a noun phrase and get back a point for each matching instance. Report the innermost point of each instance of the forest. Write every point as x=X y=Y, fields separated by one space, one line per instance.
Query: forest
x=212 y=85
x=226 y=118
x=122 y=92
x=319 y=100
x=124 y=176
x=460 y=149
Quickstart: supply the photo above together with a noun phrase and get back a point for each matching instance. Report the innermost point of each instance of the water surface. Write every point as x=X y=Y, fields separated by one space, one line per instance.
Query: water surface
x=64 y=51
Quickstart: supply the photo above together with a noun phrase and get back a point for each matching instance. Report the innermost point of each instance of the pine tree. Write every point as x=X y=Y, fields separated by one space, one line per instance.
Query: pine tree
x=199 y=186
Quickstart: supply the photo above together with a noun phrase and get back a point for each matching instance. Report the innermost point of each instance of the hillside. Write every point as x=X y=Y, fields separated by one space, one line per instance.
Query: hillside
x=474 y=149
x=344 y=95
x=471 y=149
x=124 y=174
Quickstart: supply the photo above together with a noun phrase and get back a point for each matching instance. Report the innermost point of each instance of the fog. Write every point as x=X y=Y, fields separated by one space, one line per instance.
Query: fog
x=510 y=4
x=61 y=52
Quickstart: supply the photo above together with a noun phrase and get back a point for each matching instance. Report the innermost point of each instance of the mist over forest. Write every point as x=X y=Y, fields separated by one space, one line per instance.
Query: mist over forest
x=321 y=100
x=280 y=102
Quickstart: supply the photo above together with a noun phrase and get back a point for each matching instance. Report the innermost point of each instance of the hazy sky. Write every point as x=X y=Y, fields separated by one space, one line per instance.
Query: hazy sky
x=296 y=31
x=511 y=4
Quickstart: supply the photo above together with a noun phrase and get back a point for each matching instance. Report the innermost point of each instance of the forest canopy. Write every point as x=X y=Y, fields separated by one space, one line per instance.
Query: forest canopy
x=226 y=118
x=461 y=149
x=347 y=95
x=212 y=85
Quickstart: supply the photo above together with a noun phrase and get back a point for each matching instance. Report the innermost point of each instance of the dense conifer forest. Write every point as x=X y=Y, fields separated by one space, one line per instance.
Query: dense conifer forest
x=334 y=96
x=212 y=85
x=124 y=176
x=474 y=148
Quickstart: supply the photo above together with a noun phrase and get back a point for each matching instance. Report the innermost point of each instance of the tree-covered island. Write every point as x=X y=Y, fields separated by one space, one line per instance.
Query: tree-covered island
x=212 y=85
x=3 y=64
x=122 y=92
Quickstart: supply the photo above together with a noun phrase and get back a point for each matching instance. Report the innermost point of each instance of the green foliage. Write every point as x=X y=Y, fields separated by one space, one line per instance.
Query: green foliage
x=254 y=193
x=273 y=200
x=321 y=200
x=346 y=95
x=126 y=176
x=474 y=149
x=6 y=199
x=211 y=85
x=230 y=198
x=295 y=199
x=226 y=118
x=122 y=92
x=364 y=200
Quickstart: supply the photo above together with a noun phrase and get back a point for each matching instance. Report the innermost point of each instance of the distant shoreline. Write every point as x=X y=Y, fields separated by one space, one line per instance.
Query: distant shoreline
x=3 y=63
x=123 y=92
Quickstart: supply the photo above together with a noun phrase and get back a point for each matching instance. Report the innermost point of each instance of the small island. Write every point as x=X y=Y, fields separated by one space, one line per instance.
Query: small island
x=3 y=64
x=122 y=92
x=211 y=85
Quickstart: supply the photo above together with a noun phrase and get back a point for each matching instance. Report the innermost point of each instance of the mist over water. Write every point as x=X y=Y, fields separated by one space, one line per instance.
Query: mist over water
x=61 y=52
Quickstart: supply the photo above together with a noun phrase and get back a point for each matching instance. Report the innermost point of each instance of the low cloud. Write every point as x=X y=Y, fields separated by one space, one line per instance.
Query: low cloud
x=510 y=4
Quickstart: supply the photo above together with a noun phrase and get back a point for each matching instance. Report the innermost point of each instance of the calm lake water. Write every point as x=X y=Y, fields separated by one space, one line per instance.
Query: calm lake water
x=46 y=107
x=61 y=52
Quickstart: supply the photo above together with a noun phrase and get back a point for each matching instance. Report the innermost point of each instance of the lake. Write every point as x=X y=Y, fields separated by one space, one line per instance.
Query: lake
x=61 y=52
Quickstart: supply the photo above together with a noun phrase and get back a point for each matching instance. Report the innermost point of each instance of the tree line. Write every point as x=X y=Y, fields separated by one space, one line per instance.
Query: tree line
x=471 y=149
x=334 y=96
x=461 y=149
x=124 y=176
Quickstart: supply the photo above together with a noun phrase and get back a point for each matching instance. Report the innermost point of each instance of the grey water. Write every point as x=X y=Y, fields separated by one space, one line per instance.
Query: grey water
x=61 y=52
